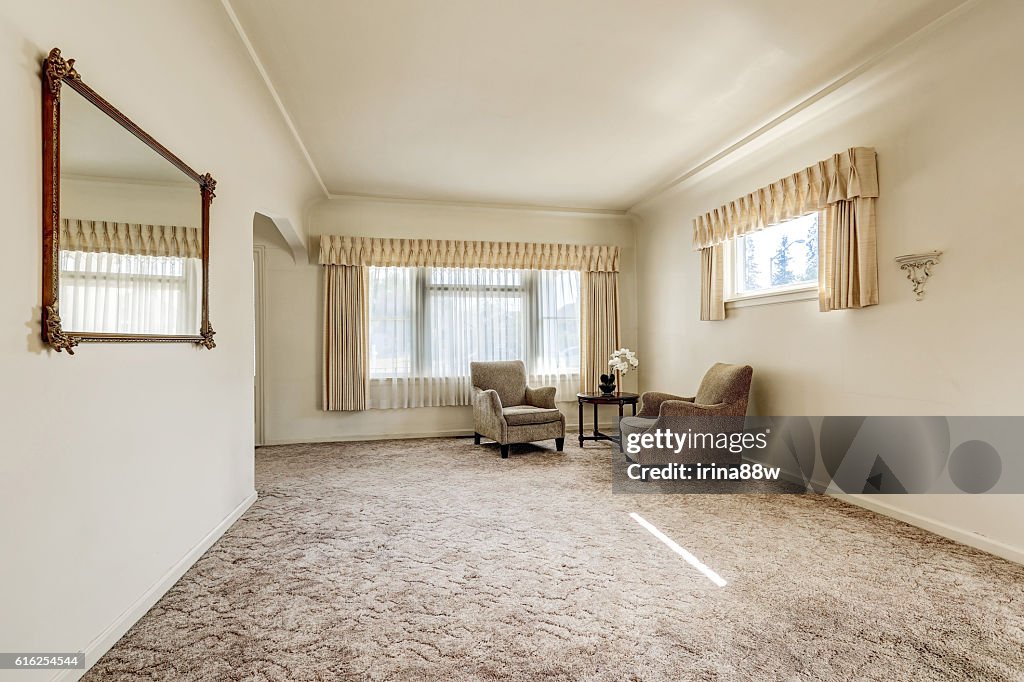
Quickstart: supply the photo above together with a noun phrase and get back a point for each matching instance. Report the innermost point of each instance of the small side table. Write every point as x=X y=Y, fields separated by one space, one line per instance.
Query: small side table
x=596 y=399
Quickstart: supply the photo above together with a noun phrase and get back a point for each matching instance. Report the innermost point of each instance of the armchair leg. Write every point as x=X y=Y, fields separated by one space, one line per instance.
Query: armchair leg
x=476 y=438
x=560 y=444
x=504 y=452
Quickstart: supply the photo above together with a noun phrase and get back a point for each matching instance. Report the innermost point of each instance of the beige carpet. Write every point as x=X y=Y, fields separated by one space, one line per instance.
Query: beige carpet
x=436 y=560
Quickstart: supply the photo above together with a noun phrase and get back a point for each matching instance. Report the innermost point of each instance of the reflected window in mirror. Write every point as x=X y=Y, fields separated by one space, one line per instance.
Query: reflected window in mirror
x=130 y=293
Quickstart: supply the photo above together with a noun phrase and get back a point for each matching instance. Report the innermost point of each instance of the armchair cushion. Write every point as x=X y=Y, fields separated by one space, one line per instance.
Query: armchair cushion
x=634 y=425
x=541 y=397
x=520 y=415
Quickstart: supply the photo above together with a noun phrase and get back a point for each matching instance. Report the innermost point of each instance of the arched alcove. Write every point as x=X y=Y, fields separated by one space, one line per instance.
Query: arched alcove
x=278 y=229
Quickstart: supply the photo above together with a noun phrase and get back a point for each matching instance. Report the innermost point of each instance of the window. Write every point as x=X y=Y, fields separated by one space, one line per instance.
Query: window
x=428 y=324
x=779 y=259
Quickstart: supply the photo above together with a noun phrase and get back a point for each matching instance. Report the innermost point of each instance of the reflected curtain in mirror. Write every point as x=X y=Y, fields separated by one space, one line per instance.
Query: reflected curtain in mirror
x=130 y=279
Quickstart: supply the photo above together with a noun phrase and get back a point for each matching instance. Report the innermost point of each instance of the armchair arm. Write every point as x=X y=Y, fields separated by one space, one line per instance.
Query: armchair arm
x=487 y=401
x=682 y=408
x=651 y=402
x=541 y=397
x=487 y=417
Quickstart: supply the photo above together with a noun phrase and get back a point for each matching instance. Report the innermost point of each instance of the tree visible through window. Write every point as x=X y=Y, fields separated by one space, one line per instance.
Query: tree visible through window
x=780 y=257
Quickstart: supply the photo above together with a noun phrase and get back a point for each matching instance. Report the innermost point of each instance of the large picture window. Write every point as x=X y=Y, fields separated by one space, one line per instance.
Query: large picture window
x=428 y=324
x=779 y=259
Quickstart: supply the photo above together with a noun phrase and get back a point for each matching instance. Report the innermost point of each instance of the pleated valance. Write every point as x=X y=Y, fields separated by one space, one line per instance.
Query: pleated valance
x=843 y=177
x=130 y=238
x=442 y=253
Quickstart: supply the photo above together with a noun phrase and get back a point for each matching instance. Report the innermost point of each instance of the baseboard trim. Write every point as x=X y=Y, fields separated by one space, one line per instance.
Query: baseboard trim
x=954 y=533
x=350 y=437
x=455 y=433
x=109 y=637
x=874 y=504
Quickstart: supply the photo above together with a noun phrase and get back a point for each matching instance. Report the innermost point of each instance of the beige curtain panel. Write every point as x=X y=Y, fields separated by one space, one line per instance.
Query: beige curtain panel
x=712 y=281
x=847 y=256
x=599 y=322
x=346 y=337
x=440 y=253
x=843 y=190
x=101 y=236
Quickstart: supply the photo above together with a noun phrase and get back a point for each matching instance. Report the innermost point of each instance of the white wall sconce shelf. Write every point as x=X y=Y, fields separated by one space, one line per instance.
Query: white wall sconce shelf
x=918 y=267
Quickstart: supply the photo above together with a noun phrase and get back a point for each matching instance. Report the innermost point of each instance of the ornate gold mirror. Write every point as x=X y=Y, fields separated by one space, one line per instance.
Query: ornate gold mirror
x=126 y=223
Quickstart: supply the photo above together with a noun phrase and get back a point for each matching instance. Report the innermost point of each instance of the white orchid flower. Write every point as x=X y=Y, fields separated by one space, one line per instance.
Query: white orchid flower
x=623 y=360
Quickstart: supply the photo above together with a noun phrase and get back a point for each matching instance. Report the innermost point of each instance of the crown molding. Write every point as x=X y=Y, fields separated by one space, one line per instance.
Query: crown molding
x=764 y=130
x=273 y=93
x=451 y=203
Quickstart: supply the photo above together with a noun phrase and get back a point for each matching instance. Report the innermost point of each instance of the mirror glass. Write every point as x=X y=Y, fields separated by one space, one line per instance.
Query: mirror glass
x=130 y=231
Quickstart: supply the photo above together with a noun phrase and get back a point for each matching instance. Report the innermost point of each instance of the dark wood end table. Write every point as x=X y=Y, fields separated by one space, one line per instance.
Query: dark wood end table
x=596 y=399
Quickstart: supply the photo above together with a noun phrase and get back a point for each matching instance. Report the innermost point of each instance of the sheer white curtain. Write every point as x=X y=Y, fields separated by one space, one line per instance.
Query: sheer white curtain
x=130 y=294
x=556 y=360
x=428 y=324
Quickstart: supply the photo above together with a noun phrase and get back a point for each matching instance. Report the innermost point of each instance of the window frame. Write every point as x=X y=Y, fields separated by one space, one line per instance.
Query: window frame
x=733 y=270
x=423 y=288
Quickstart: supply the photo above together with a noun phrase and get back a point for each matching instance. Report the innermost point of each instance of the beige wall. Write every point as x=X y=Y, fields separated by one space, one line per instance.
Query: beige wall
x=130 y=202
x=294 y=302
x=944 y=113
x=119 y=461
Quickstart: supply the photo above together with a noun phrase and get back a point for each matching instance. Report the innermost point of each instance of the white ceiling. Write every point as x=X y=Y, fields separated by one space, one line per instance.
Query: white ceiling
x=573 y=103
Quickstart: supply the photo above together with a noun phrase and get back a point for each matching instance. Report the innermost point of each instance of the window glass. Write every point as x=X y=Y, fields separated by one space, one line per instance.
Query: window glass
x=779 y=257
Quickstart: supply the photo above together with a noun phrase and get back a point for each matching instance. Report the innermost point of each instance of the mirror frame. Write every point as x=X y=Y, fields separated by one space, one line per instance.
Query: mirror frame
x=56 y=73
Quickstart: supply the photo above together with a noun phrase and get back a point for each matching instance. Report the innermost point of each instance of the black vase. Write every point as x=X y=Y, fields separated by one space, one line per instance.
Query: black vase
x=607 y=384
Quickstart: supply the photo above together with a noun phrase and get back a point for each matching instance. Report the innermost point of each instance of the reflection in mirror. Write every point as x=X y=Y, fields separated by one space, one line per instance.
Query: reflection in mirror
x=130 y=231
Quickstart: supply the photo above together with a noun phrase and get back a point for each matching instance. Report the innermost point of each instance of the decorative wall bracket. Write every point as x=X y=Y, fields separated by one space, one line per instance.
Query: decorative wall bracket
x=918 y=267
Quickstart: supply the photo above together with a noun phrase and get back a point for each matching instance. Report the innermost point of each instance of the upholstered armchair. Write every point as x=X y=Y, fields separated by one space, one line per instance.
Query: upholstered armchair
x=719 y=406
x=508 y=411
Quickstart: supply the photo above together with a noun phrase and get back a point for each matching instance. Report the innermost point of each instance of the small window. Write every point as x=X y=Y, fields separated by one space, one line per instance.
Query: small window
x=779 y=259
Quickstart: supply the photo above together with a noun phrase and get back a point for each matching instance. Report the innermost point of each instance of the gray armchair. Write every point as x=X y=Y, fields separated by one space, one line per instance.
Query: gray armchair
x=720 y=406
x=508 y=411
